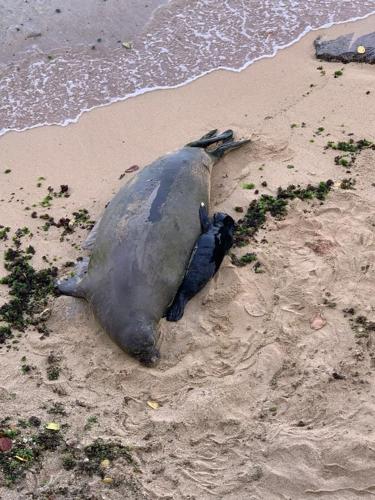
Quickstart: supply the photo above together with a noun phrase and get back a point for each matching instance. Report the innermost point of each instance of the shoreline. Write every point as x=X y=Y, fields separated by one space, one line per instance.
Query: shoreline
x=129 y=92
x=138 y=93
x=266 y=381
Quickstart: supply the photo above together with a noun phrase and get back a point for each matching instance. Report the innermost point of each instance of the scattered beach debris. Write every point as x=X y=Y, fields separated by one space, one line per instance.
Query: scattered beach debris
x=34 y=35
x=248 y=185
x=129 y=170
x=4 y=232
x=23 y=447
x=347 y=49
x=53 y=426
x=6 y=444
x=29 y=289
x=127 y=45
x=317 y=322
x=348 y=183
x=90 y=422
x=64 y=192
x=255 y=216
x=244 y=260
x=361 y=326
x=153 y=404
x=351 y=150
x=53 y=368
x=80 y=218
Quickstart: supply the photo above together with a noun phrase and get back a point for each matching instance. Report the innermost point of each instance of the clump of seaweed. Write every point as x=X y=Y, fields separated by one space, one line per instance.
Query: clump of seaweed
x=361 y=326
x=248 y=258
x=351 y=149
x=21 y=450
x=348 y=183
x=23 y=447
x=4 y=232
x=99 y=451
x=53 y=368
x=53 y=372
x=5 y=334
x=80 y=218
x=29 y=289
x=47 y=200
x=276 y=206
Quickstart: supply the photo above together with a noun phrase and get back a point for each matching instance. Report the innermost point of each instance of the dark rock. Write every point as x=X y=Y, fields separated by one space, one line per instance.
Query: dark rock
x=345 y=48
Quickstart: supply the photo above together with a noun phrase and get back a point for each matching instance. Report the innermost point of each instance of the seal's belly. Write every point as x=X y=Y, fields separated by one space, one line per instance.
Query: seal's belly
x=145 y=240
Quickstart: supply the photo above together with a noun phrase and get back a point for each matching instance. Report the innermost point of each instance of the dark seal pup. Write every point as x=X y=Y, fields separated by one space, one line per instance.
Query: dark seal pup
x=141 y=246
x=209 y=251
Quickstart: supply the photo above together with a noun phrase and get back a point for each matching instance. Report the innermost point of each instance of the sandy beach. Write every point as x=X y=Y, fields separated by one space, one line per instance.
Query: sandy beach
x=265 y=389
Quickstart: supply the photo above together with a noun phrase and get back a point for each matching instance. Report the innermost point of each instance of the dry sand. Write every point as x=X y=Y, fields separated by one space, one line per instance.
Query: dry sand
x=249 y=408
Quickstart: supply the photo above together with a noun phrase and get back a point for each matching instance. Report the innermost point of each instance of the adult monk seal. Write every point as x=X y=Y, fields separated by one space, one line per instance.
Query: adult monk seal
x=142 y=244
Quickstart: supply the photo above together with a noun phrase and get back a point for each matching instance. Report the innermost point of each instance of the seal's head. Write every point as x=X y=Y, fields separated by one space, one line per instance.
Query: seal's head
x=149 y=356
x=139 y=340
x=224 y=220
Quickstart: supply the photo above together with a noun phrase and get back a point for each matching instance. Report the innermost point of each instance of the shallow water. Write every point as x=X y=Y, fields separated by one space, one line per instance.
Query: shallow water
x=58 y=59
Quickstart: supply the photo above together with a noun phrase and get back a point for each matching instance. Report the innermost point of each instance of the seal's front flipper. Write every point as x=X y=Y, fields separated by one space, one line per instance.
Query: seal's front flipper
x=211 y=138
x=203 y=217
x=73 y=284
x=176 y=310
x=91 y=238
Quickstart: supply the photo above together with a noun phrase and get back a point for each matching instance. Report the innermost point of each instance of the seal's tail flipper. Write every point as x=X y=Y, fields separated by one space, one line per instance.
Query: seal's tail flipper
x=176 y=310
x=73 y=284
x=227 y=146
x=211 y=138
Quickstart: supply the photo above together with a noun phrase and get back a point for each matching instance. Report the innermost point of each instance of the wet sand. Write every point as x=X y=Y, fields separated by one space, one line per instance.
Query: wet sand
x=249 y=406
x=44 y=26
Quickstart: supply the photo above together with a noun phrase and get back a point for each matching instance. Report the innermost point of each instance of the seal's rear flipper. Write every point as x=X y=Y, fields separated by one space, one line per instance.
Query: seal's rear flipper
x=227 y=146
x=211 y=138
x=73 y=285
x=209 y=134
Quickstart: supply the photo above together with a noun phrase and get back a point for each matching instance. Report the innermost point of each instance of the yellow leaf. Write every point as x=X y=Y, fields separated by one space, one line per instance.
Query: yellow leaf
x=153 y=404
x=127 y=45
x=104 y=464
x=361 y=49
x=21 y=458
x=107 y=480
x=52 y=426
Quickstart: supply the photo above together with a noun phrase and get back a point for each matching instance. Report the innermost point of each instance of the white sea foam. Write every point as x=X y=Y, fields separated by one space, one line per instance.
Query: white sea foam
x=185 y=41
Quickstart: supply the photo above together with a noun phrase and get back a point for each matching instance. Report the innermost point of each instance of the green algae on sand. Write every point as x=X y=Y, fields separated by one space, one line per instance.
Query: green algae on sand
x=29 y=288
x=276 y=206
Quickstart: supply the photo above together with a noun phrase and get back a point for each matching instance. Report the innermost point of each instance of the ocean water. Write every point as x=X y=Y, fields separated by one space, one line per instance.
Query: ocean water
x=59 y=59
